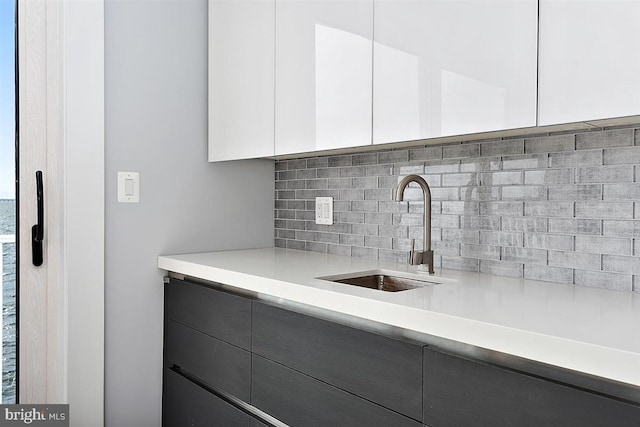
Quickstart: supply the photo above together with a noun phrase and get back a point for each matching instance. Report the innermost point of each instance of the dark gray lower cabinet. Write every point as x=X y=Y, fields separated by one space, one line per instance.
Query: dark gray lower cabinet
x=184 y=403
x=299 y=400
x=382 y=370
x=462 y=392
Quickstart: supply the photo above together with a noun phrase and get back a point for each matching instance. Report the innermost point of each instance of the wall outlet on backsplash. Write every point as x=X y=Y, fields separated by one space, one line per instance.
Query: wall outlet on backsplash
x=324 y=210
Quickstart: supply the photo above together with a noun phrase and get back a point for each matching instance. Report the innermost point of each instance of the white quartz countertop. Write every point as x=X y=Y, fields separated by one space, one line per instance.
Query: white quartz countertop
x=591 y=330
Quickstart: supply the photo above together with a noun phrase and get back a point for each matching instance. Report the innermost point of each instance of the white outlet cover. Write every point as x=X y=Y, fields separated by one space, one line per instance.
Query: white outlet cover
x=324 y=210
x=128 y=187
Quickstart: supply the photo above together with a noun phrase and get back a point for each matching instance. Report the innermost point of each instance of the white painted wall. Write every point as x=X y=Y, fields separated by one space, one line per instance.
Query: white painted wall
x=156 y=124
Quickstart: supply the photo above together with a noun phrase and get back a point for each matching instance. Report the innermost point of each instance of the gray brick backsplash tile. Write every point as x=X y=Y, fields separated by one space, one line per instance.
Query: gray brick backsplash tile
x=408 y=168
x=339 y=250
x=608 y=210
x=505 y=207
x=393 y=231
x=446 y=221
x=328 y=173
x=605 y=174
x=352 y=171
x=502 y=148
x=367 y=253
x=607 y=138
x=558 y=242
x=480 y=222
x=575 y=192
x=336 y=161
x=307 y=174
x=525 y=255
x=480 y=251
x=395 y=156
x=636 y=279
x=480 y=193
x=502 y=268
x=575 y=226
x=339 y=183
x=378 y=218
x=441 y=166
x=549 y=176
x=501 y=238
x=524 y=192
x=620 y=156
x=364 y=159
x=297 y=164
x=548 y=274
x=378 y=170
x=408 y=219
x=532 y=224
x=501 y=178
x=501 y=208
x=442 y=193
x=465 y=264
x=527 y=161
x=622 y=191
x=601 y=279
x=461 y=235
x=575 y=159
x=425 y=153
x=603 y=245
x=574 y=260
x=392 y=256
x=351 y=194
x=621 y=264
x=549 y=209
x=351 y=217
x=377 y=242
x=318 y=162
x=378 y=194
x=614 y=228
x=460 y=208
x=445 y=248
x=459 y=179
x=296 y=244
x=364 y=229
x=462 y=150
x=480 y=164
x=549 y=144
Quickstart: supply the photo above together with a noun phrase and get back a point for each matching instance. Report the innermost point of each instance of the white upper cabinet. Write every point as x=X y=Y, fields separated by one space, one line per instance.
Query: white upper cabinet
x=589 y=60
x=323 y=74
x=452 y=67
x=241 y=75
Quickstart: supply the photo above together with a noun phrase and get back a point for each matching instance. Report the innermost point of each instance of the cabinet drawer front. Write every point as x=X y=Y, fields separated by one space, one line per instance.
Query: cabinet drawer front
x=463 y=392
x=213 y=361
x=299 y=400
x=187 y=404
x=379 y=369
x=216 y=313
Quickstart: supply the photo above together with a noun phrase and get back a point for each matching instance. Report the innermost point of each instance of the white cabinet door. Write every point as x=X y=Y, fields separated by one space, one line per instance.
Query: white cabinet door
x=589 y=60
x=241 y=75
x=453 y=67
x=323 y=74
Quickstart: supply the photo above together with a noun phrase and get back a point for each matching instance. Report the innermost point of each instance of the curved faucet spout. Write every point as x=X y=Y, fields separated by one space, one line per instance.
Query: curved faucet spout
x=426 y=256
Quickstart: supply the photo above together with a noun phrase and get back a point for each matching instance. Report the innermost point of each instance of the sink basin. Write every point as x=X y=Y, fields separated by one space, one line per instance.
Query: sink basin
x=381 y=280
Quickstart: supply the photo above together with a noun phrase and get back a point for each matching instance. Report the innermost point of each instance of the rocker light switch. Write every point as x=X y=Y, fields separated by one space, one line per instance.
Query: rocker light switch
x=128 y=187
x=324 y=210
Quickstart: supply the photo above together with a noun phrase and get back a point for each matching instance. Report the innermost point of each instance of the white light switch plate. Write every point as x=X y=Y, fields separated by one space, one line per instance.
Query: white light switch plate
x=324 y=210
x=128 y=187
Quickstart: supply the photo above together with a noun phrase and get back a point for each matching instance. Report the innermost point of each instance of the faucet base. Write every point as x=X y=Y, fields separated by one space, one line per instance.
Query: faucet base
x=422 y=257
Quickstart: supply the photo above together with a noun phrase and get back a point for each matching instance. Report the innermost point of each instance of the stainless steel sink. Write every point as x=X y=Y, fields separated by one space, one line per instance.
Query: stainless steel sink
x=380 y=280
